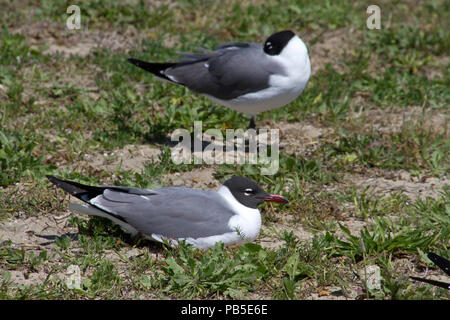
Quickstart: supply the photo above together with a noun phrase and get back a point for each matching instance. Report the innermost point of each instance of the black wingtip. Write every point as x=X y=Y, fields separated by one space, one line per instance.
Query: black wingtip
x=153 y=67
x=81 y=191
x=436 y=283
x=140 y=64
x=441 y=262
x=53 y=179
x=67 y=186
x=136 y=62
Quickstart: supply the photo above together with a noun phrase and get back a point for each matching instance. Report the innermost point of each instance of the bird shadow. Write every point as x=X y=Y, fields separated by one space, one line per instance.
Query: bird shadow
x=137 y=241
x=55 y=238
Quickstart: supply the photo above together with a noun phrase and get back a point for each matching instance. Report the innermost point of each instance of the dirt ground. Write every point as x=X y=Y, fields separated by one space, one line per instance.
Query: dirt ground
x=39 y=232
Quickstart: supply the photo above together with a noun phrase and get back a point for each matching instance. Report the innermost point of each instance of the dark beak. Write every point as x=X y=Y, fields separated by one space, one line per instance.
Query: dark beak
x=275 y=198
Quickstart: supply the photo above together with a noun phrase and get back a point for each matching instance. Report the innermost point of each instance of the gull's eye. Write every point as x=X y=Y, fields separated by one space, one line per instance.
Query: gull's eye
x=249 y=191
x=270 y=49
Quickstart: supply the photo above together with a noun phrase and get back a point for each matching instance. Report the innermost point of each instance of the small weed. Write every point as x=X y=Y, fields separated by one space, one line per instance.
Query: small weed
x=16 y=157
x=418 y=230
x=412 y=149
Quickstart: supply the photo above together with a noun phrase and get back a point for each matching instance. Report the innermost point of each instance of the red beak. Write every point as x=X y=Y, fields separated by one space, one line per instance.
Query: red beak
x=275 y=198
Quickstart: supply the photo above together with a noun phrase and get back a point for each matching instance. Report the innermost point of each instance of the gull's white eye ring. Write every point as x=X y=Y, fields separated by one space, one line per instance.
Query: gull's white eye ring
x=248 y=192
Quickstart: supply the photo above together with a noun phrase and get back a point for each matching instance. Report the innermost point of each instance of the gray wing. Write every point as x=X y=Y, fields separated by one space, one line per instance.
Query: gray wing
x=232 y=70
x=173 y=212
x=208 y=54
x=235 y=45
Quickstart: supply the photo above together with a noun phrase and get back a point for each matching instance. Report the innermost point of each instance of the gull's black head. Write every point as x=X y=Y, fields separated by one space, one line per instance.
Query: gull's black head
x=276 y=42
x=249 y=193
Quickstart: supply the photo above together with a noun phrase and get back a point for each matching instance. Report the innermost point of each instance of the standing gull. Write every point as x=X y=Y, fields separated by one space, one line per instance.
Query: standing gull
x=246 y=77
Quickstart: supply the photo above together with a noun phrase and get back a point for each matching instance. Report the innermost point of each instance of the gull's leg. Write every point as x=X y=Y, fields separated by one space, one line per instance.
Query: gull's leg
x=252 y=123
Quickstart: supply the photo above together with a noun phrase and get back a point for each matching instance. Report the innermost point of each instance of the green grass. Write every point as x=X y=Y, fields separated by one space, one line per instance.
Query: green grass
x=412 y=148
x=421 y=226
x=16 y=157
x=57 y=109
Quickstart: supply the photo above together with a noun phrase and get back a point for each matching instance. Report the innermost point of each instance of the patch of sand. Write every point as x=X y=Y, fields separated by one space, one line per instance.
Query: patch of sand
x=400 y=181
x=130 y=157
